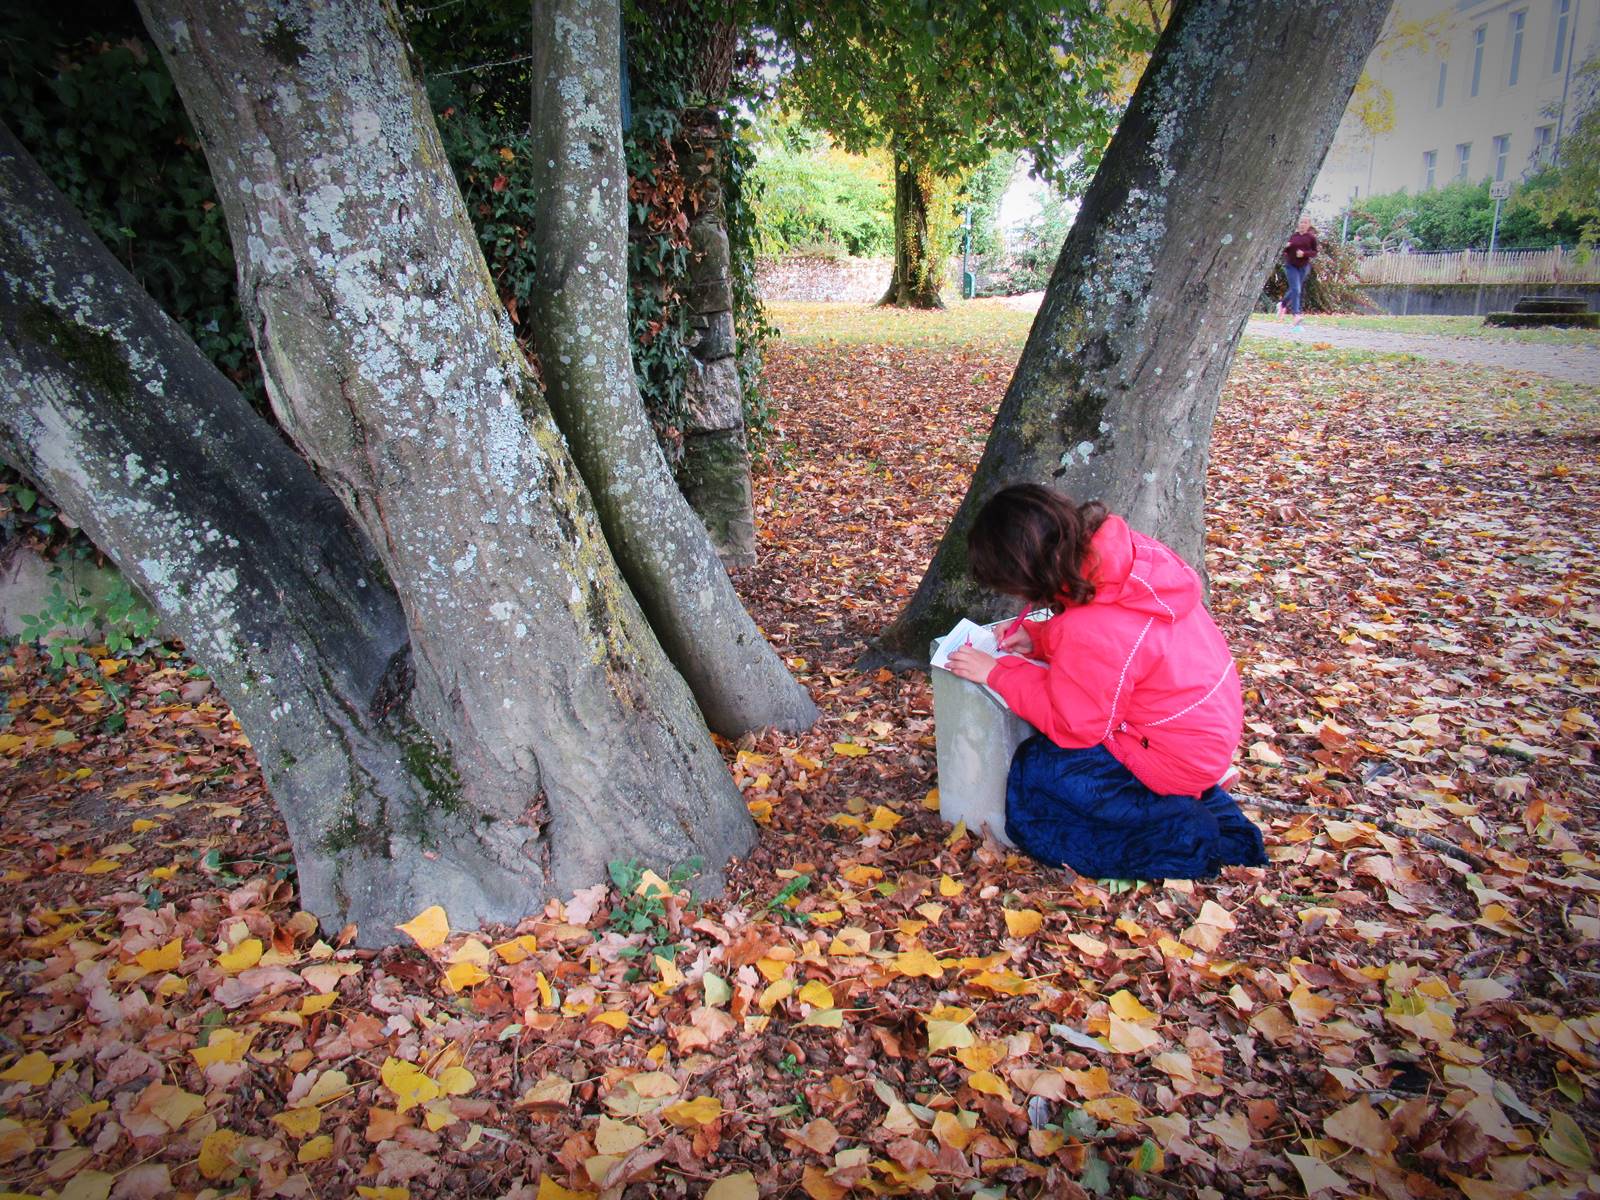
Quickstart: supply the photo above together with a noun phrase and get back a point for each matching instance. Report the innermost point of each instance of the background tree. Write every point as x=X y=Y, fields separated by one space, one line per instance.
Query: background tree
x=542 y=731
x=1115 y=393
x=943 y=86
x=1568 y=191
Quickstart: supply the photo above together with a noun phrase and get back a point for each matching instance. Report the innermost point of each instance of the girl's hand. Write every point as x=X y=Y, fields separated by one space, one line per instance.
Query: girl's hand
x=971 y=664
x=1020 y=642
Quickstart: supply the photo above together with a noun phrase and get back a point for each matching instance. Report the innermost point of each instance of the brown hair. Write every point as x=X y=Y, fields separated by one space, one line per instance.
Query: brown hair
x=1033 y=542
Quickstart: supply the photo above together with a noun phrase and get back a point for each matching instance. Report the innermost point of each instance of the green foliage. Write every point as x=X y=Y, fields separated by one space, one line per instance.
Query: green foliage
x=984 y=189
x=1457 y=216
x=1029 y=255
x=947 y=84
x=644 y=911
x=1569 y=192
x=89 y=97
x=817 y=199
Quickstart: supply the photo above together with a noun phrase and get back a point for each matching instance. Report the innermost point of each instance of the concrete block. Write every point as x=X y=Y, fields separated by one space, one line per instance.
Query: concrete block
x=976 y=735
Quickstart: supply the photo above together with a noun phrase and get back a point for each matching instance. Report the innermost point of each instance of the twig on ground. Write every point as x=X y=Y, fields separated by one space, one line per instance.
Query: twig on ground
x=1430 y=840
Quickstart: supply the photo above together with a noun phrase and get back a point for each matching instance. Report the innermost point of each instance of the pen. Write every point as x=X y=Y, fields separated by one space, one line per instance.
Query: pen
x=1015 y=625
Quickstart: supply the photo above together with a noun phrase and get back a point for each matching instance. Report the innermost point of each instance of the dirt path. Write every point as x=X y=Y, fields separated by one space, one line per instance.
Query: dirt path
x=1571 y=364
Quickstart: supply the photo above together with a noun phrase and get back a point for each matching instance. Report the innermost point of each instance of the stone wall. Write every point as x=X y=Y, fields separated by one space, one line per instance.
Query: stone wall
x=1463 y=300
x=814 y=279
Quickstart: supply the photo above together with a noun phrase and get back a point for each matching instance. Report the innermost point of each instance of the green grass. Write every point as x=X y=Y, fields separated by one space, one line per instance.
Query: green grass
x=989 y=324
x=1459 y=327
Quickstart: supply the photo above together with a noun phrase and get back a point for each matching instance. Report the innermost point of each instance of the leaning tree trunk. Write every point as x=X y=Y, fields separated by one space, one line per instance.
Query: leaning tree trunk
x=918 y=265
x=1117 y=387
x=715 y=473
x=544 y=697
x=580 y=235
x=247 y=557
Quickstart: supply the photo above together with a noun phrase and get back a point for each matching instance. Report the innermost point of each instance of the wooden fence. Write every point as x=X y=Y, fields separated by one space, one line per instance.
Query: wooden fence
x=1556 y=265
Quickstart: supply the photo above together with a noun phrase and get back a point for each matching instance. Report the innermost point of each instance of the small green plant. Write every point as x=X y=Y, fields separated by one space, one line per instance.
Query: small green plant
x=644 y=910
x=62 y=627
x=778 y=906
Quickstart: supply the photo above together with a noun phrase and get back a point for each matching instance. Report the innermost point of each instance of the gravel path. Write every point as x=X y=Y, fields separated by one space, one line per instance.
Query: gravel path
x=1573 y=364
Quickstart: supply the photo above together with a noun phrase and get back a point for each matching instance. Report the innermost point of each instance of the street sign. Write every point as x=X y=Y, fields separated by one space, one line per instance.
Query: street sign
x=1500 y=189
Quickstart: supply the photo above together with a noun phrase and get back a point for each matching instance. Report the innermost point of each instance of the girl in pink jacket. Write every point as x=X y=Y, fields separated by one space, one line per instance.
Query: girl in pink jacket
x=1137 y=702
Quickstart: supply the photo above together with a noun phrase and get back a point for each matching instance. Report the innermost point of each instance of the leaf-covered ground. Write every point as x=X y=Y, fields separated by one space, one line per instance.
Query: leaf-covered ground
x=1405 y=1003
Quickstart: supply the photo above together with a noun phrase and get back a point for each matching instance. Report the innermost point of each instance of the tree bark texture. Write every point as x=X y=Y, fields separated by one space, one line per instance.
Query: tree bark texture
x=918 y=266
x=715 y=473
x=229 y=534
x=1115 y=393
x=544 y=696
x=581 y=338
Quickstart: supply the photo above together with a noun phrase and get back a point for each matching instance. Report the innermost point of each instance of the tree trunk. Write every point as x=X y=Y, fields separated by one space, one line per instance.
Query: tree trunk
x=715 y=473
x=544 y=697
x=918 y=266
x=580 y=291
x=247 y=557
x=1116 y=390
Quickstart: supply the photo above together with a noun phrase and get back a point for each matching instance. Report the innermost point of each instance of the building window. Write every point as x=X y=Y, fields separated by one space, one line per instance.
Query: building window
x=1438 y=100
x=1463 y=159
x=1519 y=22
x=1502 y=151
x=1478 y=36
x=1430 y=160
x=1544 y=137
x=1563 y=11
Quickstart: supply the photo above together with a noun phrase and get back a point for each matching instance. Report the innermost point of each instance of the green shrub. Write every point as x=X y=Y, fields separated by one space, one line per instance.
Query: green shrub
x=1457 y=216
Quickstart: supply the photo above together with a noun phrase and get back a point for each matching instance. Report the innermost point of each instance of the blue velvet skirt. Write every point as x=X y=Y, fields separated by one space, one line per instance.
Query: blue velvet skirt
x=1085 y=810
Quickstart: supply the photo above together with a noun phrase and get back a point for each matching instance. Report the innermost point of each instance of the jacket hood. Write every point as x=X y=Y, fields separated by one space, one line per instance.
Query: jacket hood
x=1141 y=574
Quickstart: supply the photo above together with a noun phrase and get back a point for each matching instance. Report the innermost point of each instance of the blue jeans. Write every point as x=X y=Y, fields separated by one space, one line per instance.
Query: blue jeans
x=1085 y=810
x=1297 y=283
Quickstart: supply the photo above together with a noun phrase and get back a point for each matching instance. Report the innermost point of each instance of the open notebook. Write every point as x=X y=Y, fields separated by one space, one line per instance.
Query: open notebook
x=981 y=637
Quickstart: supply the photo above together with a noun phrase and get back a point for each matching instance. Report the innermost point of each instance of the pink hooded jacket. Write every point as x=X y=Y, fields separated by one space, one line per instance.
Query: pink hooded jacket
x=1141 y=668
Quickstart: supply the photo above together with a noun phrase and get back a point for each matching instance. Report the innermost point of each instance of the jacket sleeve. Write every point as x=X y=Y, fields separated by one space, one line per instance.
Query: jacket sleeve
x=1070 y=701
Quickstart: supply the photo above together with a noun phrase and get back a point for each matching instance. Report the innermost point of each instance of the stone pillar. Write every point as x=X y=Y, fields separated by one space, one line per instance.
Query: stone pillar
x=715 y=472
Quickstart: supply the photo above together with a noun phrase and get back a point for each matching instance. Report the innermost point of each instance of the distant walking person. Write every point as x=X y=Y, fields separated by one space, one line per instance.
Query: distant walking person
x=1297 y=256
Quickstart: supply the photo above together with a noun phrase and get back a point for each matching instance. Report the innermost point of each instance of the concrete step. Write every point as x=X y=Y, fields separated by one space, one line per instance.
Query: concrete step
x=1551 y=304
x=1555 y=320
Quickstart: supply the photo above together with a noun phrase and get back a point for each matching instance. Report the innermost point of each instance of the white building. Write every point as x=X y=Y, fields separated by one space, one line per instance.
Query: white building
x=1477 y=96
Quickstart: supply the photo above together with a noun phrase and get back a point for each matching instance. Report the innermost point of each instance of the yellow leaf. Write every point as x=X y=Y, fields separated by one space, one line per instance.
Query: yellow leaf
x=950 y=887
x=329 y=1085
x=223 y=1046
x=550 y=1089
x=456 y=1081
x=145 y=825
x=216 y=1154
x=618 y=1137
x=86 y=1185
x=464 y=975
x=242 y=957
x=825 y=1018
x=437 y=1114
x=1126 y=1005
x=775 y=994
x=78 y=1119
x=549 y=1189
x=918 y=961
x=617 y=1020
x=299 y=1122
x=1024 y=922
x=315 y=1004
x=409 y=1083
x=427 y=929
x=652 y=886
x=849 y=942
x=817 y=994
x=990 y=1084
x=161 y=958
x=948 y=1035
x=931 y=801
x=1126 y=1037
x=702 y=1110
x=34 y=1069
x=315 y=1150
x=734 y=1187
x=1308 y=1007
x=101 y=865
x=516 y=950
x=884 y=819
x=850 y=750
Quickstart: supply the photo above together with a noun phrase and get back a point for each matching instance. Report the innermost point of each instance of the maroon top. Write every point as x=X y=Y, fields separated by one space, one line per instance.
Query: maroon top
x=1300 y=241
